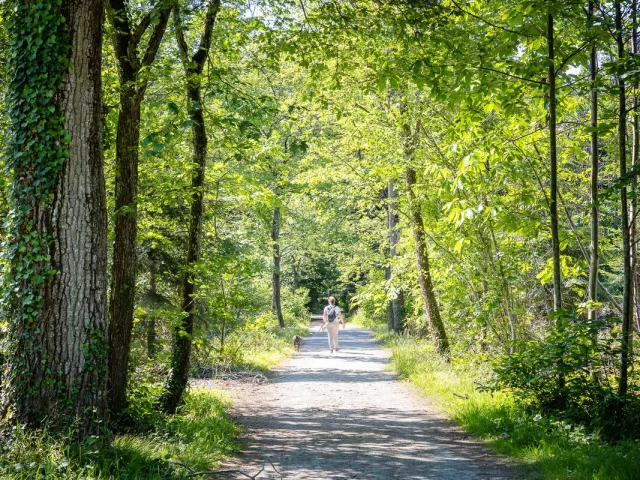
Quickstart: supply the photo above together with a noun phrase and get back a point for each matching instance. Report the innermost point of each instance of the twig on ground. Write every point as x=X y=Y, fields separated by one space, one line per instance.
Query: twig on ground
x=229 y=470
x=246 y=377
x=460 y=396
x=220 y=472
x=274 y=467
x=170 y=465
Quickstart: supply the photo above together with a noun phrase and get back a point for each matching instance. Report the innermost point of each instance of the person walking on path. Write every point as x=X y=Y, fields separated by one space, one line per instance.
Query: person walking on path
x=331 y=314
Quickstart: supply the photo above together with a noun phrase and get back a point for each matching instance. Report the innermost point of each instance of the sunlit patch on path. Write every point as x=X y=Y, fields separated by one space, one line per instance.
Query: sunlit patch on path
x=344 y=416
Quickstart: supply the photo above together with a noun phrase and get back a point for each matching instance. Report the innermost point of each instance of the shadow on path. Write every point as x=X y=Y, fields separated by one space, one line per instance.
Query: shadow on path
x=343 y=416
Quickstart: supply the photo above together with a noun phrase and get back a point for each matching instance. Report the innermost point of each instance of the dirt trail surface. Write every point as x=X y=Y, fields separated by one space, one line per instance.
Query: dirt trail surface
x=344 y=416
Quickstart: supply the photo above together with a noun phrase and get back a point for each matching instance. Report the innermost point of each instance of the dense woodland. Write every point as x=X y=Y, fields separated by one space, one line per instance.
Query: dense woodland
x=184 y=182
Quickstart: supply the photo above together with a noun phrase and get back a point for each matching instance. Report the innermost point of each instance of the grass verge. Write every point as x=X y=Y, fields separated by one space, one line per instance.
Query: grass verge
x=199 y=436
x=551 y=448
x=271 y=347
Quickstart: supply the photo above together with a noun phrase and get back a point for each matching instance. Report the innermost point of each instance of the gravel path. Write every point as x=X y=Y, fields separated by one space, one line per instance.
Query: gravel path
x=344 y=416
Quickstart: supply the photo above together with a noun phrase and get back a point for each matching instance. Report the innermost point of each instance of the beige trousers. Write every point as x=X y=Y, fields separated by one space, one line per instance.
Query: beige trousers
x=332 y=332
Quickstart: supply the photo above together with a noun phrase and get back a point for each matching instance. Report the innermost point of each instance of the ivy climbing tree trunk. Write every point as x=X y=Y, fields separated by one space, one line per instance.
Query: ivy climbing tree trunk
x=132 y=71
x=595 y=167
x=57 y=246
x=553 y=160
x=395 y=309
x=276 y=283
x=625 y=339
x=193 y=66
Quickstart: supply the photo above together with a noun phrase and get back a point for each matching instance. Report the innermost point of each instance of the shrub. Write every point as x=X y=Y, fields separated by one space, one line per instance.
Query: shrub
x=569 y=372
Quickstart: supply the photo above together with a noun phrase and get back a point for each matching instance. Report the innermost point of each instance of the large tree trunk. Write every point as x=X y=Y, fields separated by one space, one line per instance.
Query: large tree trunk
x=57 y=370
x=625 y=340
x=594 y=260
x=179 y=373
x=395 y=309
x=276 y=304
x=553 y=157
x=436 y=326
x=132 y=68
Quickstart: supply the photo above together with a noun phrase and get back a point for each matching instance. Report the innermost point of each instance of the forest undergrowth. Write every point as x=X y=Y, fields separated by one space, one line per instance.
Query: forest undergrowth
x=551 y=447
x=199 y=436
x=153 y=445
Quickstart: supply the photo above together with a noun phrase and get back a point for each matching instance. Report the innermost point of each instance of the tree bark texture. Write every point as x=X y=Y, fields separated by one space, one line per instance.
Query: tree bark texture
x=395 y=309
x=553 y=157
x=131 y=70
x=595 y=167
x=58 y=361
x=436 y=326
x=193 y=65
x=123 y=270
x=625 y=340
x=276 y=303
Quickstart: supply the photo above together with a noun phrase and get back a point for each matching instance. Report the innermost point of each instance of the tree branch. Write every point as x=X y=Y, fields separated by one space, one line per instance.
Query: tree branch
x=119 y=19
x=164 y=9
x=200 y=56
x=145 y=21
x=182 y=43
x=484 y=20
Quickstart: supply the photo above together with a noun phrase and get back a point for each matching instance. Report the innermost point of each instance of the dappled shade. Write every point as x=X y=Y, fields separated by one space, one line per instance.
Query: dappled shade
x=346 y=415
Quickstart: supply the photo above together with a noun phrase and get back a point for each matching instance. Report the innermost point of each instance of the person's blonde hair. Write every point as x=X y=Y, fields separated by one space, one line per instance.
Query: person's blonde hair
x=332 y=300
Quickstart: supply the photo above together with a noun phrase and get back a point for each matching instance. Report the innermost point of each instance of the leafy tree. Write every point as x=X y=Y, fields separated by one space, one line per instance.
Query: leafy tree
x=193 y=66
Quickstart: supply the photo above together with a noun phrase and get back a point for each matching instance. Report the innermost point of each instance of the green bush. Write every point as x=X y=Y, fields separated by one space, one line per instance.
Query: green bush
x=569 y=372
x=294 y=304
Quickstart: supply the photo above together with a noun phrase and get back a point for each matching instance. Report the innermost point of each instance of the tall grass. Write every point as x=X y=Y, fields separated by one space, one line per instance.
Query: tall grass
x=199 y=436
x=553 y=449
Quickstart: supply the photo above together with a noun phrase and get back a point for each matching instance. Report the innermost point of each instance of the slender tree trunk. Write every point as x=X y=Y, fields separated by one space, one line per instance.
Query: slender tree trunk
x=506 y=291
x=276 y=305
x=123 y=272
x=594 y=260
x=179 y=373
x=553 y=202
x=634 y=163
x=387 y=269
x=436 y=326
x=395 y=308
x=151 y=321
x=296 y=275
x=625 y=340
x=57 y=369
x=132 y=70
x=387 y=278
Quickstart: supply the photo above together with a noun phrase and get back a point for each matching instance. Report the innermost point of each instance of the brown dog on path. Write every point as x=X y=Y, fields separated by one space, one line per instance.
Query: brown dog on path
x=297 y=341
